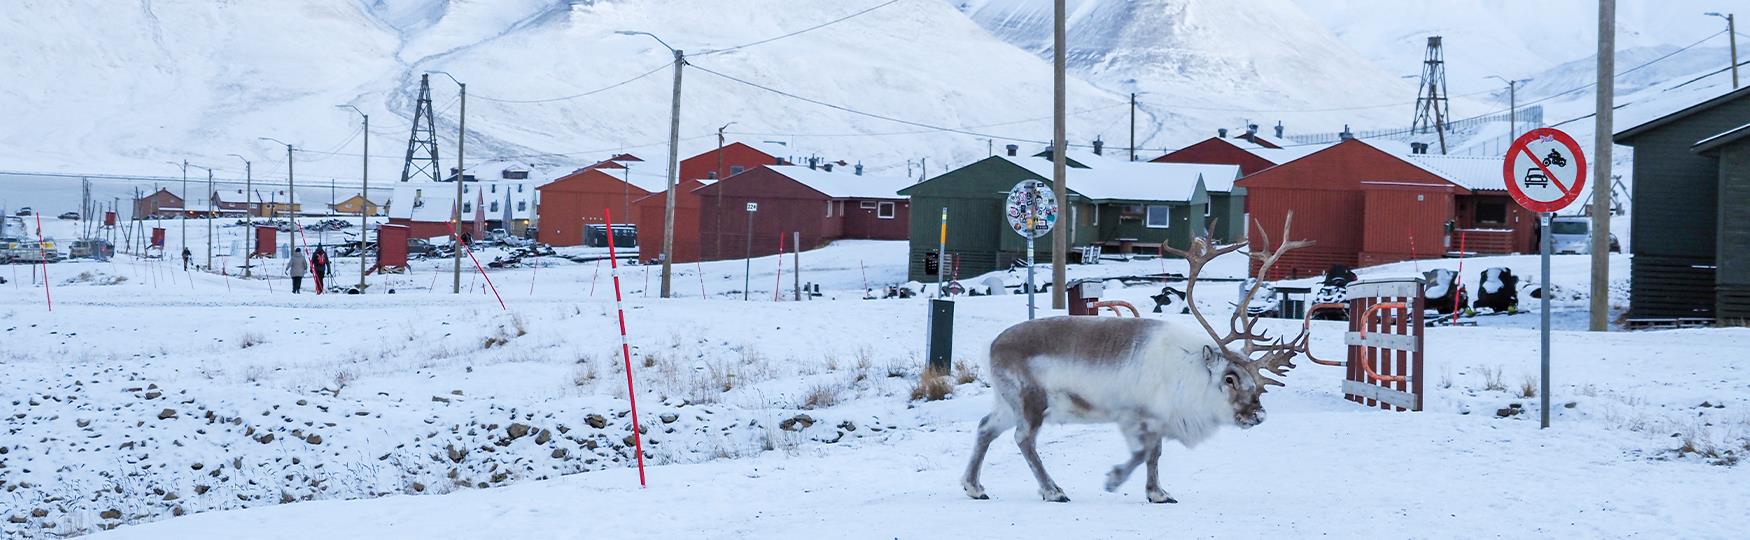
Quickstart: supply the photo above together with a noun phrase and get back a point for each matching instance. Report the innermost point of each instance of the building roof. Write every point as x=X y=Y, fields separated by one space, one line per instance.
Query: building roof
x=1216 y=178
x=843 y=184
x=430 y=202
x=1129 y=181
x=1665 y=118
x=1285 y=154
x=1721 y=139
x=1469 y=172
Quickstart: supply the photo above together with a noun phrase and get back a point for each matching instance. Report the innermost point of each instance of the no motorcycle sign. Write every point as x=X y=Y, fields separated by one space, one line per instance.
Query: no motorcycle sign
x=1545 y=170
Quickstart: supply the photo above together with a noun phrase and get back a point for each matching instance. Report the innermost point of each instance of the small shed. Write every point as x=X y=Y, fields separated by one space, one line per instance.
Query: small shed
x=1690 y=235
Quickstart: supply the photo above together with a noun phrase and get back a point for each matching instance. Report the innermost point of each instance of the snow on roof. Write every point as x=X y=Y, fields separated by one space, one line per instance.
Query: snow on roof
x=1216 y=178
x=1469 y=172
x=1285 y=154
x=1722 y=138
x=430 y=202
x=842 y=184
x=1655 y=112
x=1128 y=181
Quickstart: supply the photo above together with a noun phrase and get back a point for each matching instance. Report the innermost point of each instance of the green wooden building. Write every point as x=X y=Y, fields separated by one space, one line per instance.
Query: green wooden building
x=1690 y=235
x=1114 y=204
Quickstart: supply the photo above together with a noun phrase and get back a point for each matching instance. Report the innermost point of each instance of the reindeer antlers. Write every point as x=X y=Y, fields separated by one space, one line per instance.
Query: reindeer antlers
x=1278 y=355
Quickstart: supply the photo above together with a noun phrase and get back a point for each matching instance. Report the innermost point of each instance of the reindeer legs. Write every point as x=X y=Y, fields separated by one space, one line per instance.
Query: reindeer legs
x=1155 y=493
x=994 y=424
x=1142 y=442
x=1033 y=403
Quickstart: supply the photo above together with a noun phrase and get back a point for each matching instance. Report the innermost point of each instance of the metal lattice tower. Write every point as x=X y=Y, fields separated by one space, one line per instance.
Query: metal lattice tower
x=1431 y=105
x=422 y=150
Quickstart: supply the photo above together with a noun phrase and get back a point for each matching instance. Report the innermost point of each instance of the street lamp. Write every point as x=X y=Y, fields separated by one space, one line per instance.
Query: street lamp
x=461 y=135
x=183 y=217
x=209 y=215
x=364 y=194
x=1512 y=104
x=1732 y=35
x=291 y=191
x=674 y=136
x=248 y=212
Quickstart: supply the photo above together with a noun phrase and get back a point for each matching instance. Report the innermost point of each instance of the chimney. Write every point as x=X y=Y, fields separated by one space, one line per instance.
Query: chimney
x=812 y=163
x=1251 y=129
x=827 y=166
x=1278 y=129
x=1346 y=135
x=1222 y=132
x=859 y=169
x=1418 y=148
x=1012 y=148
x=1098 y=146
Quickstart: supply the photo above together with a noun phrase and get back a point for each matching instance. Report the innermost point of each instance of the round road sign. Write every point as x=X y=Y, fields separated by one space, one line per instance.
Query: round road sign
x=1545 y=170
x=1032 y=199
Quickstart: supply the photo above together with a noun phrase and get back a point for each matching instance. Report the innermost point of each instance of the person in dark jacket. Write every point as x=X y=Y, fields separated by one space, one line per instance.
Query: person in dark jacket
x=185 y=258
x=319 y=267
x=296 y=268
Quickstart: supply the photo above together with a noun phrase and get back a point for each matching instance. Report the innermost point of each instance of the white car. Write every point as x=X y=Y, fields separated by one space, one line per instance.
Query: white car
x=1572 y=235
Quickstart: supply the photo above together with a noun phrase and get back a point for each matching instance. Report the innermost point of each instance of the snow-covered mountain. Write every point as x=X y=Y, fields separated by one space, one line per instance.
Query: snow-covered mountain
x=128 y=86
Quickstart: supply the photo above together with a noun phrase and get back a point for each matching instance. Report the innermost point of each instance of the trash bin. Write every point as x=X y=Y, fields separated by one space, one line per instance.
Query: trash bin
x=1082 y=295
x=941 y=341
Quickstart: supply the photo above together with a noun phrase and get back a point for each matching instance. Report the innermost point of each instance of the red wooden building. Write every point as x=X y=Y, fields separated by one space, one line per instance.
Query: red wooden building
x=1364 y=204
x=579 y=199
x=737 y=157
x=1218 y=151
x=821 y=205
x=686 y=223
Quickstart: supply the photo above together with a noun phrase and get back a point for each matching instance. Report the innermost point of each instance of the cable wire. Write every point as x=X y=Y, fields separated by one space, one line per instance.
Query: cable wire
x=582 y=94
x=804 y=30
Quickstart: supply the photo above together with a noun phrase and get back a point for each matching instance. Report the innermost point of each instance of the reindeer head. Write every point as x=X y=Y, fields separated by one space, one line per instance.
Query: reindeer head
x=1238 y=359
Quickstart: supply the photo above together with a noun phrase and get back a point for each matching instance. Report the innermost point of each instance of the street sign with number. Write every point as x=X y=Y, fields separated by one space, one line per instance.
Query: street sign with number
x=753 y=207
x=1545 y=170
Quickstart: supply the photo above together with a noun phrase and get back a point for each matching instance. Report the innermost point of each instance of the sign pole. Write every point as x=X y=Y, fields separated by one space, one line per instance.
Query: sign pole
x=1030 y=221
x=1543 y=300
x=942 y=256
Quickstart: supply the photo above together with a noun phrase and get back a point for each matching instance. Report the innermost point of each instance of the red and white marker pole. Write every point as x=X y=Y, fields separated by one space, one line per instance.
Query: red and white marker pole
x=625 y=348
x=44 y=254
x=477 y=266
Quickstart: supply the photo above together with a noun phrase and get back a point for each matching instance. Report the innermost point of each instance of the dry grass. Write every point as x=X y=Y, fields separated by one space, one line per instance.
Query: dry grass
x=931 y=386
x=1492 y=378
x=821 y=396
x=965 y=372
x=1445 y=377
x=584 y=373
x=519 y=325
x=250 y=339
x=1528 y=387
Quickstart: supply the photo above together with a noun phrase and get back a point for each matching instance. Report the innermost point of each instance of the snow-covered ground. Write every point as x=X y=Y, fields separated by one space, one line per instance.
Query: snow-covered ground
x=168 y=393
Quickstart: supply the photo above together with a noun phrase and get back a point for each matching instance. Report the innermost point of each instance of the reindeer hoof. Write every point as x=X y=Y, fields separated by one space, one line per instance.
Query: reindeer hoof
x=1160 y=497
x=1054 y=496
x=1115 y=479
x=976 y=492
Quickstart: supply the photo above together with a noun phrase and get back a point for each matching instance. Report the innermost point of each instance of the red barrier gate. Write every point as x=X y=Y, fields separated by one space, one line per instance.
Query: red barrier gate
x=1385 y=365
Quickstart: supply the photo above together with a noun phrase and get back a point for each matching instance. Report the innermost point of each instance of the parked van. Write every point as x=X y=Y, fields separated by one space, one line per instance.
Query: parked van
x=1573 y=235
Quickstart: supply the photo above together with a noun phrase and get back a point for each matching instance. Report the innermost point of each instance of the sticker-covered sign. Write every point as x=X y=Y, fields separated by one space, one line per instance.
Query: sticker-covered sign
x=1032 y=203
x=1545 y=170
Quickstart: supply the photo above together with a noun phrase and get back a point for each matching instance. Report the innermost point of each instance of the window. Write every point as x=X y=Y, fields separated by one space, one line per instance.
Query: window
x=867 y=205
x=467 y=207
x=1207 y=209
x=1096 y=219
x=1491 y=213
x=522 y=206
x=495 y=188
x=885 y=210
x=712 y=175
x=519 y=188
x=735 y=170
x=1158 y=217
x=841 y=208
x=494 y=207
x=828 y=208
x=465 y=189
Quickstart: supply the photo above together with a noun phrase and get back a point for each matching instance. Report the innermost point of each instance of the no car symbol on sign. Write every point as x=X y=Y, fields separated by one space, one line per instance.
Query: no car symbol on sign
x=1545 y=170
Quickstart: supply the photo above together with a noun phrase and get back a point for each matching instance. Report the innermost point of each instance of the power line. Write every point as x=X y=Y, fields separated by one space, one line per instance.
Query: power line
x=804 y=30
x=583 y=94
x=920 y=131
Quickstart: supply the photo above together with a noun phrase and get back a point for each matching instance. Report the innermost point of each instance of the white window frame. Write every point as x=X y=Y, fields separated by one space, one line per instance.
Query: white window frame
x=886 y=210
x=1208 y=209
x=867 y=205
x=467 y=208
x=1148 y=216
x=828 y=208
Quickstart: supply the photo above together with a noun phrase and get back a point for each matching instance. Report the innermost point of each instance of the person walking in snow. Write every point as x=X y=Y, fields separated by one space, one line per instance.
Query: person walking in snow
x=296 y=268
x=185 y=258
x=319 y=267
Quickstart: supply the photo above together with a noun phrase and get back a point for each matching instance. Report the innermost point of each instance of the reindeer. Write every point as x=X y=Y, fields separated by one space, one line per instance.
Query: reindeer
x=1157 y=380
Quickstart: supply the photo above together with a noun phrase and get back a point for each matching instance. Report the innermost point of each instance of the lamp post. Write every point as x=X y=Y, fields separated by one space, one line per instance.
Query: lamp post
x=1512 y=104
x=1732 y=36
x=461 y=173
x=209 y=215
x=291 y=187
x=364 y=194
x=248 y=212
x=674 y=135
x=184 y=217
x=720 y=177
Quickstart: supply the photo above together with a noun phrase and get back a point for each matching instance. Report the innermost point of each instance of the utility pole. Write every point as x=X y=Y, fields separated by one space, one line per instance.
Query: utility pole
x=674 y=139
x=364 y=196
x=1604 y=119
x=291 y=191
x=209 y=216
x=183 y=217
x=1732 y=37
x=720 y=178
x=461 y=176
x=248 y=213
x=1060 y=235
x=1512 y=105
x=1133 y=126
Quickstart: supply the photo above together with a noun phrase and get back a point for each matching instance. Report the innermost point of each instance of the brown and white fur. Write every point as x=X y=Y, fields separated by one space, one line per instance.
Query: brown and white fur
x=1157 y=380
